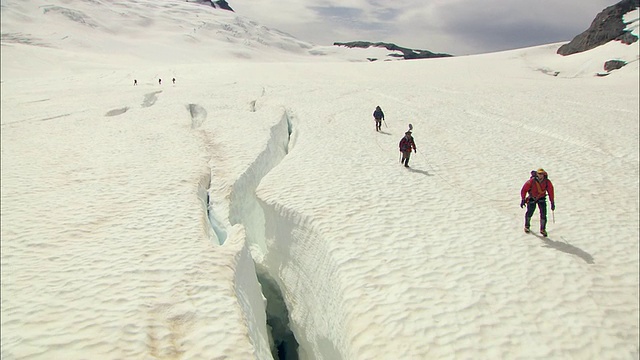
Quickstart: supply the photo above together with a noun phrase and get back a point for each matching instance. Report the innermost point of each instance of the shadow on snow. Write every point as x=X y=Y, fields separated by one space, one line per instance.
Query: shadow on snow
x=567 y=248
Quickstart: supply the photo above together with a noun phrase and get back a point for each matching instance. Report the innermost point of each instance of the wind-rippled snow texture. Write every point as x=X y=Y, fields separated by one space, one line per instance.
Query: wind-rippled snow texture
x=108 y=252
x=382 y=261
x=105 y=246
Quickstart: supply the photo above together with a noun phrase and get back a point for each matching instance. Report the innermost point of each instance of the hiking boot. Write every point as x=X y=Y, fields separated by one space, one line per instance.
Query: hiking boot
x=526 y=229
x=543 y=232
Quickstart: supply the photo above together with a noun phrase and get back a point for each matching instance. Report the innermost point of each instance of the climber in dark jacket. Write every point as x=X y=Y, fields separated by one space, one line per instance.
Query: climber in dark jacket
x=378 y=116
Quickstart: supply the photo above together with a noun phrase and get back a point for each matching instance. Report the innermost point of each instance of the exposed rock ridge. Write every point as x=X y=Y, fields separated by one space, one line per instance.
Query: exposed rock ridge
x=608 y=25
x=221 y=4
x=218 y=4
x=407 y=54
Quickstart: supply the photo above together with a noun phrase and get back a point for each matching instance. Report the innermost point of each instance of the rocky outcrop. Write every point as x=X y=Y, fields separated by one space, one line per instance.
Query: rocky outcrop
x=218 y=4
x=614 y=65
x=221 y=4
x=608 y=25
x=407 y=54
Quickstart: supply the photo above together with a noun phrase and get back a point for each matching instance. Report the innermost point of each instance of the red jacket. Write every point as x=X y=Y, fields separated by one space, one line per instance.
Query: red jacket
x=537 y=189
x=407 y=144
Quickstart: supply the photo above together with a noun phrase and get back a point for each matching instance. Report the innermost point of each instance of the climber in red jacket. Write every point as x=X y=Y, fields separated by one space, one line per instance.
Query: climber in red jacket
x=537 y=188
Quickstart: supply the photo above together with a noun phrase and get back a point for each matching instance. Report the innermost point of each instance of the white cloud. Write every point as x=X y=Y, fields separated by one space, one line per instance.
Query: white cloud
x=457 y=27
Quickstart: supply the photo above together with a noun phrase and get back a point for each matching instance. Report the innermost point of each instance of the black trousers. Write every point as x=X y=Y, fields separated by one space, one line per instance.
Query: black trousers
x=405 y=157
x=531 y=208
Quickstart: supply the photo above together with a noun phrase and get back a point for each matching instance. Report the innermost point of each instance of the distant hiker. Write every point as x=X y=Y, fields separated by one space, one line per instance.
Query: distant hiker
x=174 y=81
x=159 y=81
x=135 y=82
x=378 y=116
x=406 y=144
x=537 y=187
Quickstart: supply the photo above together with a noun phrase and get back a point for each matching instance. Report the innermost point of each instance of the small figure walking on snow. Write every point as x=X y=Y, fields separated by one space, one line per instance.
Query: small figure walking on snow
x=174 y=81
x=378 y=116
x=406 y=144
x=537 y=187
x=135 y=82
x=159 y=81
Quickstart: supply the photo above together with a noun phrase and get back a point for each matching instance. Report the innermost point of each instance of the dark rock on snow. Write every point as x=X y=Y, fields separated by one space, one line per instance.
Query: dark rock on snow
x=614 y=65
x=407 y=54
x=222 y=4
x=218 y=4
x=608 y=25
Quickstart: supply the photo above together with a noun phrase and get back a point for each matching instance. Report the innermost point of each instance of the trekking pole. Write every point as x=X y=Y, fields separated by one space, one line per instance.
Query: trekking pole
x=423 y=157
x=553 y=214
x=385 y=123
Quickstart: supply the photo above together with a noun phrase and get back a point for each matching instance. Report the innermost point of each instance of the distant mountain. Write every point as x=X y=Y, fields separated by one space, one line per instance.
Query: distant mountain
x=608 y=25
x=174 y=31
x=407 y=54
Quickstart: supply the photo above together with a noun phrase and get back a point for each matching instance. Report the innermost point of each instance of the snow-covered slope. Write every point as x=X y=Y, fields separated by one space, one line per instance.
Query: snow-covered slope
x=166 y=31
x=251 y=209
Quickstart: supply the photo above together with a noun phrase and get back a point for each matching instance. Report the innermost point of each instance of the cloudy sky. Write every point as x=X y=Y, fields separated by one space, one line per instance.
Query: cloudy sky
x=458 y=27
